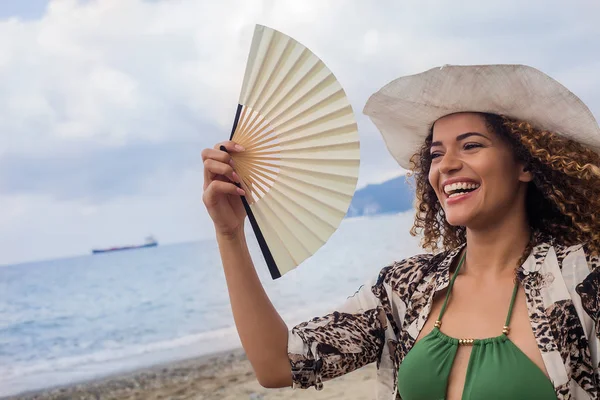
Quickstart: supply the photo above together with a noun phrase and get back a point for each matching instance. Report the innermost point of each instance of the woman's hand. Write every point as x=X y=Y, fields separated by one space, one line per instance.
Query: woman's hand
x=221 y=196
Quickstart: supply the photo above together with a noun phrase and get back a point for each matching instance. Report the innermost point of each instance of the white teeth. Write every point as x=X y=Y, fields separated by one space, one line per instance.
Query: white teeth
x=460 y=185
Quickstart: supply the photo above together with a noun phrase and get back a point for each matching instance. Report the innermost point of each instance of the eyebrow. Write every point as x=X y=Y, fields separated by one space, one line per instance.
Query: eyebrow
x=460 y=137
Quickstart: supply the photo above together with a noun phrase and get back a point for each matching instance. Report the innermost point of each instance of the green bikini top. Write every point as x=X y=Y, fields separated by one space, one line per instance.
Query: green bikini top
x=497 y=369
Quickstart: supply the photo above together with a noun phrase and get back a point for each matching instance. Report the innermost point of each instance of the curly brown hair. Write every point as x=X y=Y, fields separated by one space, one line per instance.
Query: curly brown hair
x=562 y=201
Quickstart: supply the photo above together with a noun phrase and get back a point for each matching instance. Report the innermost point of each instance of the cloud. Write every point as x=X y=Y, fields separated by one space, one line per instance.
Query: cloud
x=98 y=175
x=107 y=104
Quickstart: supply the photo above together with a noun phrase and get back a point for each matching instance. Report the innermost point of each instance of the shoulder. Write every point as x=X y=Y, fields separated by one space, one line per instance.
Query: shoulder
x=578 y=256
x=592 y=258
x=589 y=288
x=408 y=269
x=401 y=276
x=578 y=265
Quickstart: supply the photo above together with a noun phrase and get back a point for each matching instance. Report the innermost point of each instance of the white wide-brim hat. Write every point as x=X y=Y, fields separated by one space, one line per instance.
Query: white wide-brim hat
x=405 y=109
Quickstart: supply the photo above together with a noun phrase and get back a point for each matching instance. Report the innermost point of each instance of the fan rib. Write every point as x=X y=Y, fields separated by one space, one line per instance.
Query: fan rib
x=315 y=171
x=260 y=136
x=342 y=183
x=313 y=199
x=325 y=147
x=281 y=229
x=264 y=170
x=264 y=72
x=340 y=113
x=304 y=57
x=243 y=173
x=266 y=174
x=315 y=164
x=253 y=57
x=250 y=167
x=327 y=101
x=263 y=146
x=294 y=216
x=325 y=161
x=305 y=150
x=317 y=199
x=260 y=179
x=251 y=124
x=348 y=129
x=316 y=219
x=266 y=135
x=257 y=182
x=259 y=75
x=314 y=70
x=267 y=93
x=348 y=179
x=242 y=121
x=255 y=178
x=320 y=187
x=322 y=85
x=252 y=145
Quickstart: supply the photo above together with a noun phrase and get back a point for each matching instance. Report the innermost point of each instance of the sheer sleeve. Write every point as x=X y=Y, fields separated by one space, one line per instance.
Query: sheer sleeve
x=340 y=342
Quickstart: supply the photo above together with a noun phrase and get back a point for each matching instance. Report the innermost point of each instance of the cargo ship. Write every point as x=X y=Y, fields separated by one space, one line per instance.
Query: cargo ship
x=150 y=242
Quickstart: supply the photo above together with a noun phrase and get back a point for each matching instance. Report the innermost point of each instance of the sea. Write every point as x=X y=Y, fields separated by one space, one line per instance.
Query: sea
x=75 y=319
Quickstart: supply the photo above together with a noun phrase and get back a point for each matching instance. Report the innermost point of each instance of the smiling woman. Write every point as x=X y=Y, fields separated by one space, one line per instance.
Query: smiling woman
x=505 y=302
x=486 y=173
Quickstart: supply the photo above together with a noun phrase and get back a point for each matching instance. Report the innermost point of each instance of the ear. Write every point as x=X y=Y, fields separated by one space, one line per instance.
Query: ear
x=525 y=175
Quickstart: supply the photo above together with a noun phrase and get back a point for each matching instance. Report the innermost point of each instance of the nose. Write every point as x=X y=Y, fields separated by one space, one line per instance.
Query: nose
x=449 y=163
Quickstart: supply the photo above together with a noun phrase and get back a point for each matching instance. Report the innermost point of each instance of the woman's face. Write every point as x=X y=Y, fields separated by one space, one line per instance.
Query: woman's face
x=473 y=171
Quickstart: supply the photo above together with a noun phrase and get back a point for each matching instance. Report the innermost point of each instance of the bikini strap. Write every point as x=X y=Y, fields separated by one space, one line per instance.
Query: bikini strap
x=505 y=330
x=443 y=310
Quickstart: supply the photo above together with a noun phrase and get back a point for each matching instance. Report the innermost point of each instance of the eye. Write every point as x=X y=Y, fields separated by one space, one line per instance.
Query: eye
x=434 y=155
x=472 y=145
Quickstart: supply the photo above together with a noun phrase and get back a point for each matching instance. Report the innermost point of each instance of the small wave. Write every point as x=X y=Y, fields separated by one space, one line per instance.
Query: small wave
x=16 y=378
x=113 y=354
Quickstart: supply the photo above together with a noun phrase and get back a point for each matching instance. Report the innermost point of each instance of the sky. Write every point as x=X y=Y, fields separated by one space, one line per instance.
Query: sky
x=106 y=105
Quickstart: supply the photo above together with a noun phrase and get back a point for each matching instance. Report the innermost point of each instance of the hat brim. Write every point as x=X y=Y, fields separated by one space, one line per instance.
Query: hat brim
x=405 y=109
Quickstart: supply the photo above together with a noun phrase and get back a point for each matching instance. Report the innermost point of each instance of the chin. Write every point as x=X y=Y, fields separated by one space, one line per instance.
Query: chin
x=459 y=220
x=457 y=223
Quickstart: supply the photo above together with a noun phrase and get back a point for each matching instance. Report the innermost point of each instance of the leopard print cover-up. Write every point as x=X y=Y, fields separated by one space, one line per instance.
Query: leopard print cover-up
x=381 y=321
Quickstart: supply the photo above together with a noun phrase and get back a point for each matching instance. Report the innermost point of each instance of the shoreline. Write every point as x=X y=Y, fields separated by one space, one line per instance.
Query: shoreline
x=222 y=375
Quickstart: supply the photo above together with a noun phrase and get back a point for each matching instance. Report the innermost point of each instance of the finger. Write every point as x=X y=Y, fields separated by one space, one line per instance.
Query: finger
x=217 y=155
x=218 y=168
x=219 y=188
x=230 y=147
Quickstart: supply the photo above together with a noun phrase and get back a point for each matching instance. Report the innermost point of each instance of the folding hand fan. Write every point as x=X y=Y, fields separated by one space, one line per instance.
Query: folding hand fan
x=301 y=162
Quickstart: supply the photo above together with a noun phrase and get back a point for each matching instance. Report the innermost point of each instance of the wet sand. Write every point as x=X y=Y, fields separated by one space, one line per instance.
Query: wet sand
x=225 y=376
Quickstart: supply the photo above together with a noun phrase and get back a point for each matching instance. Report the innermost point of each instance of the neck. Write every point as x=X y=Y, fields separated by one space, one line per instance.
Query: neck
x=496 y=249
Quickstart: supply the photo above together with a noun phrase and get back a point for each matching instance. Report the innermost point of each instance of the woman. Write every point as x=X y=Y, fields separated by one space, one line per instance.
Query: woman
x=506 y=303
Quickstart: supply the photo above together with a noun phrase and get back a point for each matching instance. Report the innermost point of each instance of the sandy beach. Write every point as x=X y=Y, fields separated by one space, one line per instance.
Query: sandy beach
x=225 y=376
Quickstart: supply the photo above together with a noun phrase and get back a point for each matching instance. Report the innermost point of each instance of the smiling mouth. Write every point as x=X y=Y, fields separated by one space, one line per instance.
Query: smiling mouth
x=459 y=189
